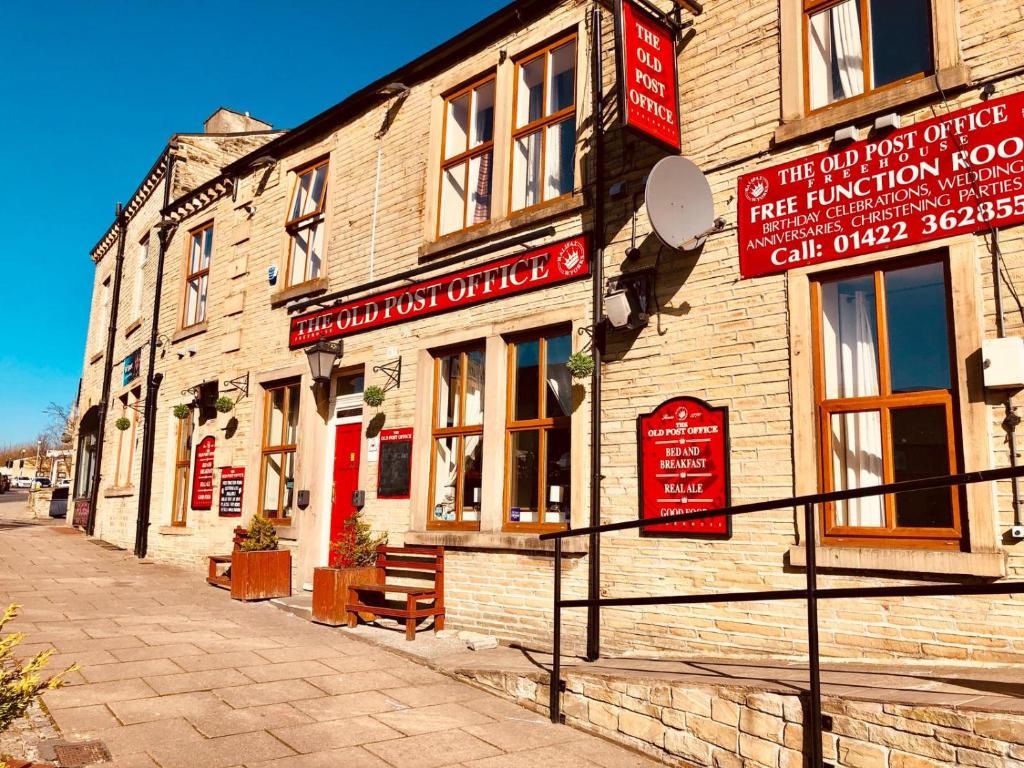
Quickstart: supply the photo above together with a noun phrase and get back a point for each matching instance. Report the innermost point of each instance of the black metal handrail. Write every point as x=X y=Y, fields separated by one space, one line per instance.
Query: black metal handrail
x=811 y=594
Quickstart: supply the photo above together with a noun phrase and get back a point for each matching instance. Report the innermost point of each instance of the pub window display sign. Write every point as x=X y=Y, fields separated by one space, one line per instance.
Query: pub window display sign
x=954 y=174
x=394 y=471
x=202 y=477
x=648 y=79
x=683 y=448
x=232 y=489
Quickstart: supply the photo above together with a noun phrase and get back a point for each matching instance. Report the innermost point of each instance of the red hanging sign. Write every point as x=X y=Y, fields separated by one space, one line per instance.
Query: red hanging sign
x=648 y=79
x=232 y=487
x=202 y=474
x=953 y=174
x=684 y=466
x=538 y=268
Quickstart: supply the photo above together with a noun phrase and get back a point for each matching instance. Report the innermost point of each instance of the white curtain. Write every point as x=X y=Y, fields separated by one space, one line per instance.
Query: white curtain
x=834 y=36
x=561 y=387
x=857 y=437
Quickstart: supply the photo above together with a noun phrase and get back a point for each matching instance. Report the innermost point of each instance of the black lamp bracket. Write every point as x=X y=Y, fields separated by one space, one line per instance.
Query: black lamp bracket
x=240 y=385
x=193 y=392
x=588 y=331
x=138 y=406
x=393 y=370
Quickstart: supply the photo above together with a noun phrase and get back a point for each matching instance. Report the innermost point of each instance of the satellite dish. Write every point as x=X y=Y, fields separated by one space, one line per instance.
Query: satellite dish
x=679 y=203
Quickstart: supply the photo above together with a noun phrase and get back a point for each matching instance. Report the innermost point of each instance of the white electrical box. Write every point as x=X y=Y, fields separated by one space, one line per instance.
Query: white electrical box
x=1003 y=362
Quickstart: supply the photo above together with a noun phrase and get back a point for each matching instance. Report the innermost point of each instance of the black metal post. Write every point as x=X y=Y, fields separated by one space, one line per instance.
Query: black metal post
x=555 y=681
x=594 y=557
x=813 y=660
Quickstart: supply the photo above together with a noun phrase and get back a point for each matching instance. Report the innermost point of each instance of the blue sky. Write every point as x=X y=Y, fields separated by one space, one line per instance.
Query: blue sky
x=91 y=93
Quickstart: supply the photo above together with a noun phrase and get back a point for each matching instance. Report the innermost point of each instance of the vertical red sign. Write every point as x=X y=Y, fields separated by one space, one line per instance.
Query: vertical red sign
x=684 y=466
x=648 y=80
x=202 y=474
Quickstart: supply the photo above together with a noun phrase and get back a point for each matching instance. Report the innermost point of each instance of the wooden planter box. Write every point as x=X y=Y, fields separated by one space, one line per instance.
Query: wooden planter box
x=330 y=591
x=261 y=575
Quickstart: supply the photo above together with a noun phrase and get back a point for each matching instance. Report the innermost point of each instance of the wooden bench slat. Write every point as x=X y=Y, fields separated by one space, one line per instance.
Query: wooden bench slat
x=408 y=565
x=435 y=551
x=394 y=613
x=397 y=589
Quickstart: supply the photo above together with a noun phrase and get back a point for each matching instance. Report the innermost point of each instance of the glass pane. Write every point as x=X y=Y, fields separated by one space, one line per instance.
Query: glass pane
x=449 y=390
x=850 y=337
x=316 y=252
x=191 y=302
x=207 y=247
x=453 y=198
x=480 y=188
x=559 y=154
x=292 y=431
x=530 y=96
x=524 y=460
x=289 y=484
x=527 y=373
x=915 y=308
x=443 y=505
x=319 y=184
x=472 y=467
x=197 y=250
x=185 y=439
x=526 y=171
x=275 y=423
x=559 y=476
x=271 y=484
x=901 y=39
x=349 y=385
x=180 y=495
x=559 y=385
x=299 y=249
x=483 y=115
x=857 y=463
x=201 y=311
x=474 y=387
x=457 y=127
x=920 y=448
x=835 y=55
x=562 y=69
x=301 y=195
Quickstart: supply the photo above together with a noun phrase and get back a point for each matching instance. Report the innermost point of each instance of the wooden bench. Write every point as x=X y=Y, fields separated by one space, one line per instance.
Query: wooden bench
x=217 y=578
x=422 y=559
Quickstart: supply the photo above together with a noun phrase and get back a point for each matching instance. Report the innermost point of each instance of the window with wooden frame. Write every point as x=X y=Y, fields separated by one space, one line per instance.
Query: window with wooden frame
x=467 y=158
x=277 y=464
x=544 y=125
x=197 y=275
x=126 y=438
x=887 y=404
x=182 y=465
x=855 y=47
x=538 y=452
x=305 y=224
x=141 y=258
x=456 y=458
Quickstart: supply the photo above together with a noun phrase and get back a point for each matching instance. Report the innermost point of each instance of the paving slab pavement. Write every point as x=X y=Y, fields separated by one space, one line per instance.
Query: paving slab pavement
x=177 y=675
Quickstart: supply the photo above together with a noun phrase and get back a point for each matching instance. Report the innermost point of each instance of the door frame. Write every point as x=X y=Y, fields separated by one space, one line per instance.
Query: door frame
x=348 y=405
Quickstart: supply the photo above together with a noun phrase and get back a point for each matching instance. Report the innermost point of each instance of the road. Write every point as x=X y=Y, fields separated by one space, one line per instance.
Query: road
x=177 y=675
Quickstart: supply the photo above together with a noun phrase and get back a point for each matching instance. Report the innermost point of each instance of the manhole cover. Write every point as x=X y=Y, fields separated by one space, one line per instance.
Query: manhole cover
x=83 y=753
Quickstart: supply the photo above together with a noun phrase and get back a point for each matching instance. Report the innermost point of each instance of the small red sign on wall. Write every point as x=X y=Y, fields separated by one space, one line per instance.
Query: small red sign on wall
x=648 y=80
x=202 y=475
x=232 y=486
x=684 y=466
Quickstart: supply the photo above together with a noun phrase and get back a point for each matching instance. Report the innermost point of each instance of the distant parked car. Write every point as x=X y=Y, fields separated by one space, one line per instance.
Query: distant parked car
x=5 y=483
x=42 y=482
x=65 y=483
x=23 y=482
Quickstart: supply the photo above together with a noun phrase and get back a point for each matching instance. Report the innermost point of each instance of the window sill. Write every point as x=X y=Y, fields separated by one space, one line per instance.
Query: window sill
x=174 y=530
x=308 y=288
x=882 y=101
x=116 y=493
x=188 y=333
x=991 y=565
x=502 y=226
x=132 y=327
x=512 y=542
x=95 y=358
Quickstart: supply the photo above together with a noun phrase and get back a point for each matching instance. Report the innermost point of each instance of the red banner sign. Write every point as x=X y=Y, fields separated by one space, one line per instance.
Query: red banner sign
x=232 y=486
x=202 y=474
x=396 y=435
x=539 y=268
x=80 y=517
x=953 y=174
x=648 y=80
x=684 y=466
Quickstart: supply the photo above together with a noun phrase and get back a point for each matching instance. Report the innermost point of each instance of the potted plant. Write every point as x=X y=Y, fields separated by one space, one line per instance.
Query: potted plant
x=373 y=396
x=259 y=570
x=224 y=404
x=21 y=683
x=580 y=365
x=181 y=411
x=353 y=560
x=123 y=423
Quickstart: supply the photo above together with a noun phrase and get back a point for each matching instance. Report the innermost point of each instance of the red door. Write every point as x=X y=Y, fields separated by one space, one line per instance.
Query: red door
x=347 y=439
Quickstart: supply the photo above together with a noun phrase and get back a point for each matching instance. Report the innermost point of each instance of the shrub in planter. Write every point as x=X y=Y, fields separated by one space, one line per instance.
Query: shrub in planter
x=22 y=683
x=580 y=365
x=373 y=396
x=123 y=423
x=224 y=404
x=353 y=560
x=259 y=570
x=181 y=411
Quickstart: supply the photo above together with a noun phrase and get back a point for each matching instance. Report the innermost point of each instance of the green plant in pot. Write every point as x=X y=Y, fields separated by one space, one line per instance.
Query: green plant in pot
x=262 y=535
x=353 y=561
x=580 y=365
x=181 y=411
x=357 y=545
x=259 y=569
x=373 y=396
x=224 y=404
x=123 y=423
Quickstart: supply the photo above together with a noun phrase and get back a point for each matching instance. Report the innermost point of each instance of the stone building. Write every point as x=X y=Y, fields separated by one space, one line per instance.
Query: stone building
x=440 y=223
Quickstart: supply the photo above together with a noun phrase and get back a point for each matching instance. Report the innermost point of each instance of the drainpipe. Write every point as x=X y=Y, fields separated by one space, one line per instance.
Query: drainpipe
x=594 y=559
x=108 y=365
x=152 y=384
x=1011 y=420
